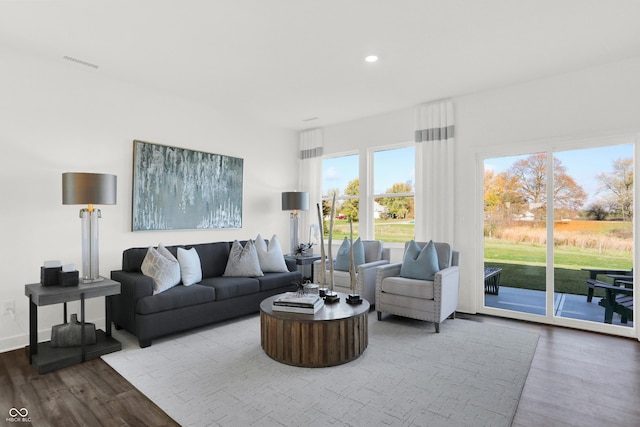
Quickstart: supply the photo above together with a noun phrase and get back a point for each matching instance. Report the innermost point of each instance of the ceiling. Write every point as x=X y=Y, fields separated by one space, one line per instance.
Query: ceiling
x=285 y=62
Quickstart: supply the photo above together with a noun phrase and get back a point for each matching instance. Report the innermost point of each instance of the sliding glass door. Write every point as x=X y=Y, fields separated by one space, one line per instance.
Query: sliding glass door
x=552 y=222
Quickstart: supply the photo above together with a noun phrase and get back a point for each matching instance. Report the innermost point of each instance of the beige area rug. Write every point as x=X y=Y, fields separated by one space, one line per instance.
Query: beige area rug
x=471 y=374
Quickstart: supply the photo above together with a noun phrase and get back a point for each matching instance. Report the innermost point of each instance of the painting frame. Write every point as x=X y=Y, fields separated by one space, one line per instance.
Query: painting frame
x=181 y=189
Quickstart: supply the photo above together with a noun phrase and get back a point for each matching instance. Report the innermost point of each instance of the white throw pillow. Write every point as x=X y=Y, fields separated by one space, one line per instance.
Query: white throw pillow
x=243 y=262
x=163 y=267
x=190 y=268
x=270 y=257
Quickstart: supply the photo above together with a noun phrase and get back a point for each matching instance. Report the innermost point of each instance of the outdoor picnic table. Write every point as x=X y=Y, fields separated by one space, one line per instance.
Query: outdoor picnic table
x=593 y=275
x=618 y=299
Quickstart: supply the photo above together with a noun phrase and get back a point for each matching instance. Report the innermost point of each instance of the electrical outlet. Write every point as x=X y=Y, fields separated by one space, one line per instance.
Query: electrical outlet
x=9 y=307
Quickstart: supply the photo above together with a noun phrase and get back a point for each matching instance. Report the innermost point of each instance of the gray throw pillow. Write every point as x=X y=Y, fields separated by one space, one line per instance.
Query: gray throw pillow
x=163 y=267
x=243 y=262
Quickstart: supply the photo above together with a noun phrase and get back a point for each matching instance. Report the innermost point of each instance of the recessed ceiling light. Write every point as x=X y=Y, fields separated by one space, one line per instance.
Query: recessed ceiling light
x=371 y=58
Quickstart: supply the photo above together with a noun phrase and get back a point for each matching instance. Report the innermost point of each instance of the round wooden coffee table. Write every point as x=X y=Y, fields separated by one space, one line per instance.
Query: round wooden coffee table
x=336 y=334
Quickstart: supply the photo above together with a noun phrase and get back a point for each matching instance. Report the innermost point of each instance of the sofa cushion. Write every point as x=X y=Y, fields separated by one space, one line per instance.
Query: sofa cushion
x=243 y=261
x=231 y=287
x=270 y=255
x=343 y=259
x=420 y=263
x=213 y=258
x=414 y=288
x=190 y=269
x=271 y=281
x=176 y=297
x=163 y=267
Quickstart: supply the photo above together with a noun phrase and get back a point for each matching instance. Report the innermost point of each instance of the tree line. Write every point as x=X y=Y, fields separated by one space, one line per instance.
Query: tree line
x=400 y=207
x=520 y=193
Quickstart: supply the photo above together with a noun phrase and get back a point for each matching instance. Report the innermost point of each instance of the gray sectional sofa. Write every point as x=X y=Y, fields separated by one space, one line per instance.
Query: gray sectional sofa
x=215 y=298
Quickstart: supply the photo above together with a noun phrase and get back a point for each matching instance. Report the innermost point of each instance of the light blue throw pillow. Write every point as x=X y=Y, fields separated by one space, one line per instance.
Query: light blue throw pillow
x=420 y=263
x=343 y=259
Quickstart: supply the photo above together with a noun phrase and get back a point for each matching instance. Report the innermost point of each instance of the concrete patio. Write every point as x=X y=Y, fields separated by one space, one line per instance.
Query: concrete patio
x=565 y=305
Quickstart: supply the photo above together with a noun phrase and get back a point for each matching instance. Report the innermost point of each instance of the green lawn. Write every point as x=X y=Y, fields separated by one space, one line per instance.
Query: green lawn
x=386 y=230
x=523 y=265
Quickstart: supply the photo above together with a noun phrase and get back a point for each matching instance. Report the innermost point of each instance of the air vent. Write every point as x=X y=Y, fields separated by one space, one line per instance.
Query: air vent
x=81 y=62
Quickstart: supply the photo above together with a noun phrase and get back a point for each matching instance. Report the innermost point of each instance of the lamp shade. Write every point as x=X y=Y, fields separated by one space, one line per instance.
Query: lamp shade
x=295 y=200
x=81 y=188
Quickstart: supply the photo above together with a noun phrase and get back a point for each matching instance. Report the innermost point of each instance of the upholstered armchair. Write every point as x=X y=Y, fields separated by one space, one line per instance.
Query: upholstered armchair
x=375 y=255
x=431 y=300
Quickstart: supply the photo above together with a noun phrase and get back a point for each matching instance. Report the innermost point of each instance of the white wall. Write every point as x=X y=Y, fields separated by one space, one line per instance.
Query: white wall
x=61 y=117
x=559 y=111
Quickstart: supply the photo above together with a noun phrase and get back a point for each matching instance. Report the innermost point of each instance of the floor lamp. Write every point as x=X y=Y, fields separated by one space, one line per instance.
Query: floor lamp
x=294 y=201
x=79 y=188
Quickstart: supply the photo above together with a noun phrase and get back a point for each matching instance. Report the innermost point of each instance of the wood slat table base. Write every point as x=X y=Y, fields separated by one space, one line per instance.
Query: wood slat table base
x=309 y=341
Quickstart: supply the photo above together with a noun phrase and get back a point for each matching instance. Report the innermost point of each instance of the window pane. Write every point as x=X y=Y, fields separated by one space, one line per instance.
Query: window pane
x=394 y=173
x=340 y=176
x=593 y=228
x=515 y=233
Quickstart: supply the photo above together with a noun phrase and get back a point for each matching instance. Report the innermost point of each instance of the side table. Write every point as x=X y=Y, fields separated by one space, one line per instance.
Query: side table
x=304 y=260
x=492 y=280
x=47 y=358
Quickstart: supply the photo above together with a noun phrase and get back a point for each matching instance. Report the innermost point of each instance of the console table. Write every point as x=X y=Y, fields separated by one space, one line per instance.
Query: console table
x=47 y=358
x=336 y=334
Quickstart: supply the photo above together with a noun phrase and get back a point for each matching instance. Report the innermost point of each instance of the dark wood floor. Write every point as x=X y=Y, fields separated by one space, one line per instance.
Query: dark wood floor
x=576 y=379
x=89 y=394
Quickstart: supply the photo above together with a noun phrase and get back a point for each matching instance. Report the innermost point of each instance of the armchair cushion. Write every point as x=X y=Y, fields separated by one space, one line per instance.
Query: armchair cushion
x=420 y=263
x=414 y=288
x=343 y=259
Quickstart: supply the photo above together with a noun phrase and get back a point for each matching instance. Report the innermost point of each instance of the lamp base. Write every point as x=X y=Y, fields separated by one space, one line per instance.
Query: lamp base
x=87 y=280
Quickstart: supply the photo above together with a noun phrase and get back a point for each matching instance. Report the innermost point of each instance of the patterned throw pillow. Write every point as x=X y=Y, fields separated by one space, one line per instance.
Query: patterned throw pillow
x=163 y=267
x=270 y=256
x=243 y=262
x=420 y=263
x=190 y=268
x=343 y=259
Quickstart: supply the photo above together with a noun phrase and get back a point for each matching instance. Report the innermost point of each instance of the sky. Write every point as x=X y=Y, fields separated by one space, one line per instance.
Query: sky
x=582 y=165
x=390 y=167
x=398 y=165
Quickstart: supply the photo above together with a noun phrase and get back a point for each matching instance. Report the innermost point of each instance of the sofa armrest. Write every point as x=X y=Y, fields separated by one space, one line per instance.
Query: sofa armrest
x=387 y=270
x=366 y=278
x=133 y=286
x=291 y=264
x=445 y=288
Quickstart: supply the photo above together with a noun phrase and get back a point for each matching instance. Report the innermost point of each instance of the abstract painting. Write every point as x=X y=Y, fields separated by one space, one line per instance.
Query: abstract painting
x=179 y=189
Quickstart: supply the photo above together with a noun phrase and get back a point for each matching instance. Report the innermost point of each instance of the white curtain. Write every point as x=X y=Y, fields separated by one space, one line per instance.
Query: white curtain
x=434 y=137
x=311 y=142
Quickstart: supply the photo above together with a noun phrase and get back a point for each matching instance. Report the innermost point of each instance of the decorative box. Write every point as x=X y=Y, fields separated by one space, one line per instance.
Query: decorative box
x=49 y=276
x=68 y=278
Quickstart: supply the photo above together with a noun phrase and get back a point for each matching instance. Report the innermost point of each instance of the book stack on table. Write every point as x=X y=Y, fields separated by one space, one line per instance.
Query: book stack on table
x=294 y=303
